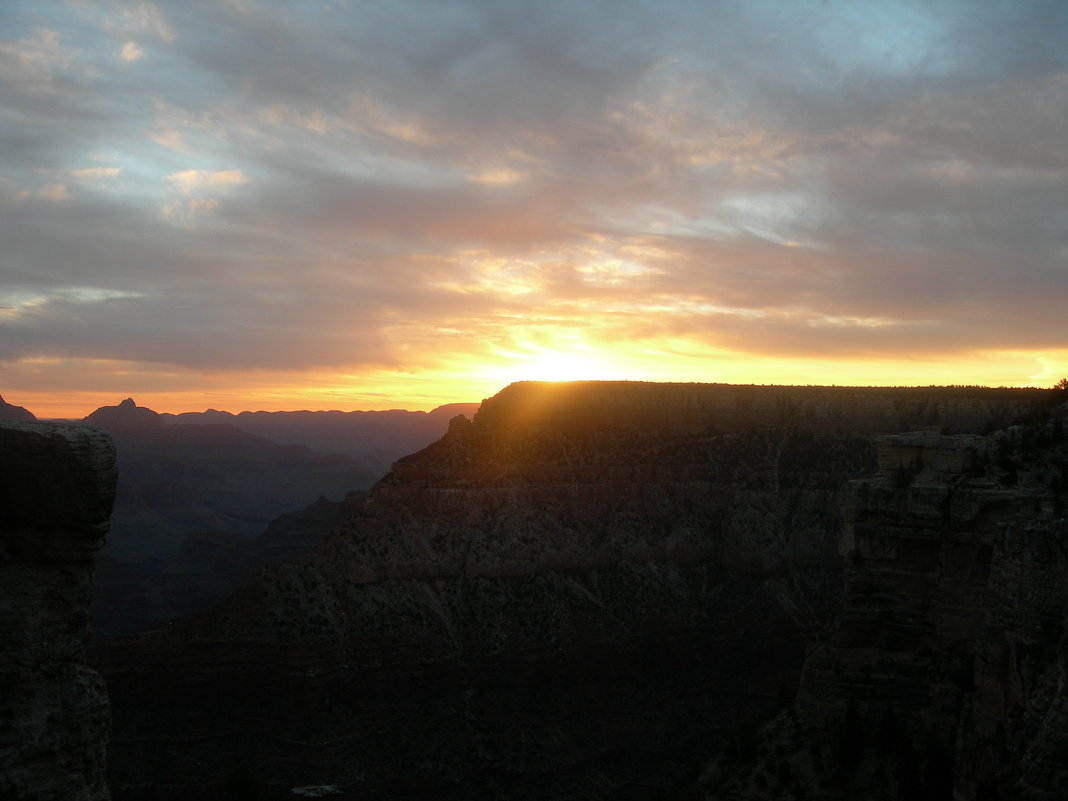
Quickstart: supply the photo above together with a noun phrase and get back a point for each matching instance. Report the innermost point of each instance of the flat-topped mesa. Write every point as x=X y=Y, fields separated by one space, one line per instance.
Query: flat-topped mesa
x=681 y=408
x=126 y=415
x=57 y=485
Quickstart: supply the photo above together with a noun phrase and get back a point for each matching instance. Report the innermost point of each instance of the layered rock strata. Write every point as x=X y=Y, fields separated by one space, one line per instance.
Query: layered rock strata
x=57 y=484
x=575 y=596
x=943 y=677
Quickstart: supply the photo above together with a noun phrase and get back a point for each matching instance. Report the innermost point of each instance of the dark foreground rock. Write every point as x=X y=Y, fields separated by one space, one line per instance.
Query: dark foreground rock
x=943 y=676
x=57 y=484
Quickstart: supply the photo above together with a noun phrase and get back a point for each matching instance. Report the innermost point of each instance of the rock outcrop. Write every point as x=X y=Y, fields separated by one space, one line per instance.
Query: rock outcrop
x=16 y=414
x=944 y=674
x=576 y=596
x=294 y=534
x=126 y=415
x=57 y=484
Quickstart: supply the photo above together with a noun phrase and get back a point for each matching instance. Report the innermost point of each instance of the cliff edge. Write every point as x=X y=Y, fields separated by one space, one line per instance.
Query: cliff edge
x=57 y=485
x=943 y=675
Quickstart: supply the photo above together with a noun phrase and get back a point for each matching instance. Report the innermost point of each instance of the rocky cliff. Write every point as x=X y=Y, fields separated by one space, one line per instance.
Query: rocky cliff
x=943 y=675
x=579 y=595
x=57 y=484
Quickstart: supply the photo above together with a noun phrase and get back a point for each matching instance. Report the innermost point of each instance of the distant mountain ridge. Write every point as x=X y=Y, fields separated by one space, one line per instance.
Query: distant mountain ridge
x=376 y=437
x=178 y=479
x=16 y=414
x=195 y=490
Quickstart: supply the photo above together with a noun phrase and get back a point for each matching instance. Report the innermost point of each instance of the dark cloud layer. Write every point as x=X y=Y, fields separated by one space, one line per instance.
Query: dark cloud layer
x=275 y=185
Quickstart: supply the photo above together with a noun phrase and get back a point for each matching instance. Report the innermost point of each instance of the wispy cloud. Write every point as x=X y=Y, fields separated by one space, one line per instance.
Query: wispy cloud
x=33 y=62
x=95 y=173
x=139 y=18
x=188 y=181
x=131 y=52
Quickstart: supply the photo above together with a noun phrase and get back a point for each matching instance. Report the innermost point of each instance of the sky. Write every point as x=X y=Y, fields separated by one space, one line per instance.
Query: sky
x=246 y=204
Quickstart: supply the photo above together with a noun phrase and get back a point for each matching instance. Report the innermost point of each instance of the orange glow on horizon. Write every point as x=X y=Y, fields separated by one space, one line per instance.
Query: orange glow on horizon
x=472 y=377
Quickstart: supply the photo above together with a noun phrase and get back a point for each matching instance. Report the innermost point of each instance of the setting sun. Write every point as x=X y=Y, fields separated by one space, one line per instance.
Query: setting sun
x=532 y=361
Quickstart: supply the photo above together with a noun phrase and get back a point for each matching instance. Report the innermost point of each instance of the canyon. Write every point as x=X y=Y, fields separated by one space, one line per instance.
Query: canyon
x=629 y=590
x=589 y=591
x=196 y=490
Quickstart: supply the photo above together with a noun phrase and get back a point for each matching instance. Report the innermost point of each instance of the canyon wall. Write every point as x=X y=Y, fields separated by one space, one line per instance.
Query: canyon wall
x=57 y=484
x=581 y=594
x=943 y=675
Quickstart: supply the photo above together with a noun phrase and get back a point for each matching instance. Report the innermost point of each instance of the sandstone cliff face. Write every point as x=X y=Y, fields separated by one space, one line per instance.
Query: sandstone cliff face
x=944 y=674
x=56 y=491
x=578 y=595
x=1013 y=737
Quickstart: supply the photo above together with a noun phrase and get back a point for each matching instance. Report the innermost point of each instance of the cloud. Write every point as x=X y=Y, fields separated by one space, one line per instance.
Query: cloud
x=187 y=212
x=189 y=181
x=33 y=63
x=196 y=204
x=497 y=176
x=210 y=328
x=141 y=18
x=131 y=52
x=168 y=137
x=95 y=173
x=53 y=193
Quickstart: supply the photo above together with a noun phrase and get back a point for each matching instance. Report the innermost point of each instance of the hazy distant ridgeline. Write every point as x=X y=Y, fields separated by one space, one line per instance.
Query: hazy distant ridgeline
x=178 y=479
x=220 y=471
x=197 y=489
x=375 y=437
